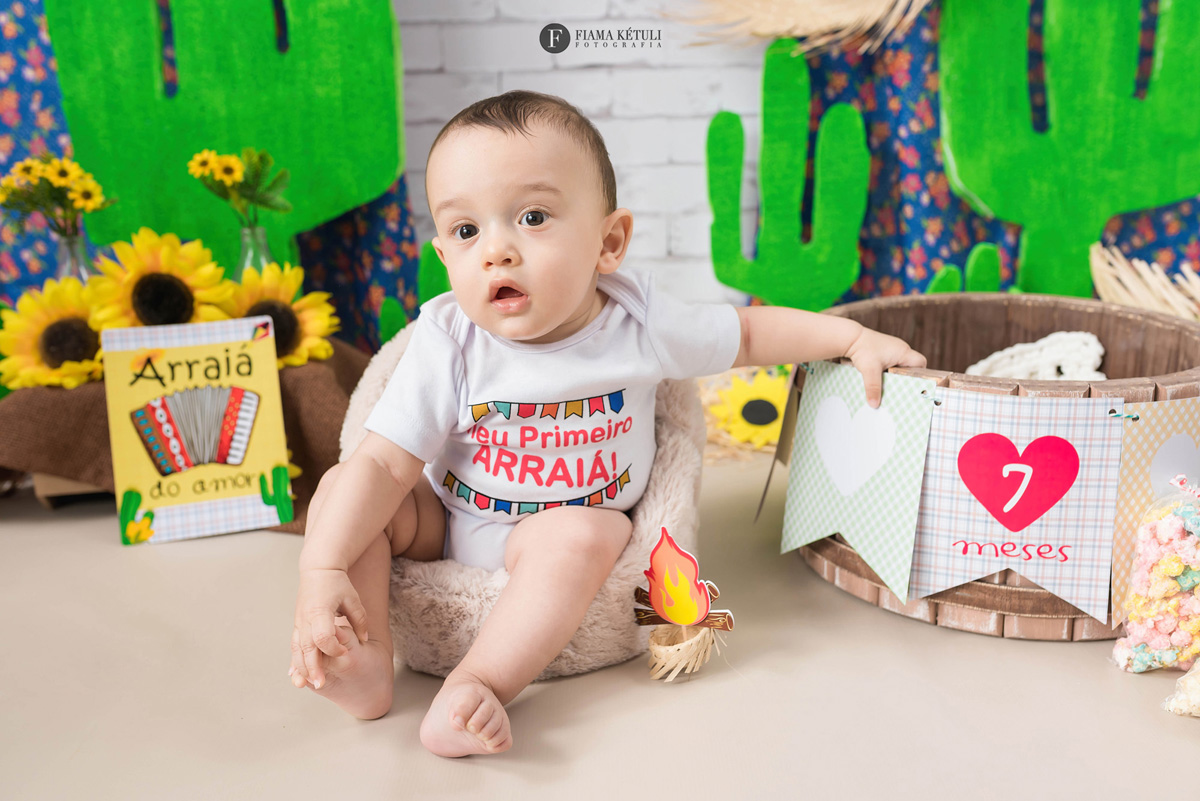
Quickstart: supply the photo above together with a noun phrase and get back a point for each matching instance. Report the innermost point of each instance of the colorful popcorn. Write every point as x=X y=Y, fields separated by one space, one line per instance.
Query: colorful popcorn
x=1163 y=604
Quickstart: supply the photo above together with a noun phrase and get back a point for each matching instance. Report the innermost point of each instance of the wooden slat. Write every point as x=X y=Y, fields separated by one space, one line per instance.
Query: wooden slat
x=856 y=585
x=1015 y=579
x=986 y=384
x=1054 y=389
x=972 y=620
x=820 y=565
x=1037 y=628
x=1087 y=628
x=919 y=609
x=1130 y=390
x=1177 y=385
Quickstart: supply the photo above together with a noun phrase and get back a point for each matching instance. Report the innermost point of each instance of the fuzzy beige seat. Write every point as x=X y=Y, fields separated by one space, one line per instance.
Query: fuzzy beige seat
x=438 y=607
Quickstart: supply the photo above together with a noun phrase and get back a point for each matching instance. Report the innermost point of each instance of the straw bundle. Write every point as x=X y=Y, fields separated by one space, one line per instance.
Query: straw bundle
x=1146 y=286
x=680 y=648
x=860 y=24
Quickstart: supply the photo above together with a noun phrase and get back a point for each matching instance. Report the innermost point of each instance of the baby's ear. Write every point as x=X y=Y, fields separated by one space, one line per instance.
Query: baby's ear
x=617 y=231
x=437 y=246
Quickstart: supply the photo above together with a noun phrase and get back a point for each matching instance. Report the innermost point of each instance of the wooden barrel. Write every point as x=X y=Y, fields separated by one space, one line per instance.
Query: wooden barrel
x=1148 y=356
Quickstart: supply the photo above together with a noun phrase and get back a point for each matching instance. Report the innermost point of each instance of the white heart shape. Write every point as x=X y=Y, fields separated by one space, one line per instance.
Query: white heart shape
x=852 y=449
x=1178 y=454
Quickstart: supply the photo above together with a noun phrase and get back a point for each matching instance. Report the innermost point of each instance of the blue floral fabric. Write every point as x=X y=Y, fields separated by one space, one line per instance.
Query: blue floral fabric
x=914 y=225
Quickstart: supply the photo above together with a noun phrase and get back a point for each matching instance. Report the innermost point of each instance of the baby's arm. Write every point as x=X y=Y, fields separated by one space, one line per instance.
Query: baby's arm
x=779 y=335
x=363 y=495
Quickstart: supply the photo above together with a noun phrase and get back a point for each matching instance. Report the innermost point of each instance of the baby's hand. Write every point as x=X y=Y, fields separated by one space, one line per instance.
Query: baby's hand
x=873 y=352
x=325 y=594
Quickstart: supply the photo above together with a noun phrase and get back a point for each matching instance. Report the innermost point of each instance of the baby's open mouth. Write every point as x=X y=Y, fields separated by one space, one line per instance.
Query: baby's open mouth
x=507 y=292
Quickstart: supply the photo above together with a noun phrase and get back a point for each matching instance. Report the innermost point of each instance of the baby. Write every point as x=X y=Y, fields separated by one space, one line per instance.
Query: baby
x=518 y=428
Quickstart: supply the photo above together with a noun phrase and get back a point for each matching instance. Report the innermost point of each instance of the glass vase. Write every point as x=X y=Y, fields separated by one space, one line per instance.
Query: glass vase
x=73 y=259
x=255 y=252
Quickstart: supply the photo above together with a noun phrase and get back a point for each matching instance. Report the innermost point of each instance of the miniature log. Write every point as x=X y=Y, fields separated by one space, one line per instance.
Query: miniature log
x=722 y=619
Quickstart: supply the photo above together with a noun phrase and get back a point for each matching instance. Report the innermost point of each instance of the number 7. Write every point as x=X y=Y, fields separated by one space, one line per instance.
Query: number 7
x=1020 y=468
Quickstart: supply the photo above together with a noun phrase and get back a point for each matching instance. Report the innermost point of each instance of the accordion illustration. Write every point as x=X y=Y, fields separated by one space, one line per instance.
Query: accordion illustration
x=202 y=425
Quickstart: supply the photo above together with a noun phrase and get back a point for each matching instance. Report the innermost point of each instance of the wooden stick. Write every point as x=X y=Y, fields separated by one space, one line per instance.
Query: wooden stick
x=719 y=619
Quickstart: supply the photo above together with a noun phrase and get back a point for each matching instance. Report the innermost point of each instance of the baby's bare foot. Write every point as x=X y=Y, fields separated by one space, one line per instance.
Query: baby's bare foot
x=360 y=680
x=465 y=718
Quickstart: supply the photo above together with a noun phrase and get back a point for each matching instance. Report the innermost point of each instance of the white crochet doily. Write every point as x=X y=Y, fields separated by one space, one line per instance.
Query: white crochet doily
x=1066 y=355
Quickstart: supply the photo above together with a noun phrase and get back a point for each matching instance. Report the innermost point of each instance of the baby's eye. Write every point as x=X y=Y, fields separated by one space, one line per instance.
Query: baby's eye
x=454 y=233
x=539 y=217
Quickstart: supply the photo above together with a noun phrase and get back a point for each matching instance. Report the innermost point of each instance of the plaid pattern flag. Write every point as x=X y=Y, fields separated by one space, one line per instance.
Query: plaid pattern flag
x=856 y=471
x=1028 y=484
x=1161 y=443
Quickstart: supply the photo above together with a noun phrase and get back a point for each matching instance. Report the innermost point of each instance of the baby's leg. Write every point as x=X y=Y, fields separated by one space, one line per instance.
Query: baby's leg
x=557 y=560
x=361 y=680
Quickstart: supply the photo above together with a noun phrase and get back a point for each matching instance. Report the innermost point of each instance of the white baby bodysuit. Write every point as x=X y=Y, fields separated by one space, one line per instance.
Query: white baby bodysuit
x=508 y=429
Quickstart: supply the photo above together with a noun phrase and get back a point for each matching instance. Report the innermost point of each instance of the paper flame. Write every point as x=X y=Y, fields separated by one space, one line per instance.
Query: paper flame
x=676 y=592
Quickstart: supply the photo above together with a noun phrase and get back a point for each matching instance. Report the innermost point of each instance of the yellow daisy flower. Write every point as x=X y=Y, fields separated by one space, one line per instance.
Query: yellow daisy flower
x=47 y=341
x=202 y=163
x=228 y=170
x=27 y=171
x=301 y=326
x=85 y=194
x=158 y=281
x=62 y=172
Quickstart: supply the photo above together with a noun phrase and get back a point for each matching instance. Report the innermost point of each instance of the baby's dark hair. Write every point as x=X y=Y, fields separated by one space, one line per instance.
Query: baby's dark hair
x=512 y=112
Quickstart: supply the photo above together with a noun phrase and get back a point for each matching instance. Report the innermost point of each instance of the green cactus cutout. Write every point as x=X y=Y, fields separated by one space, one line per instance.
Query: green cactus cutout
x=983 y=273
x=277 y=495
x=328 y=109
x=392 y=319
x=786 y=271
x=130 y=501
x=1104 y=153
x=432 y=280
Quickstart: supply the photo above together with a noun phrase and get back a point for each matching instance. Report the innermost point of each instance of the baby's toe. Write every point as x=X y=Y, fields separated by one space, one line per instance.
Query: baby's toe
x=465 y=718
x=467 y=708
x=495 y=734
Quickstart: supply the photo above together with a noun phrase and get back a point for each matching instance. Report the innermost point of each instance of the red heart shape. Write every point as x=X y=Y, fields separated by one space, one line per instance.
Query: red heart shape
x=1028 y=483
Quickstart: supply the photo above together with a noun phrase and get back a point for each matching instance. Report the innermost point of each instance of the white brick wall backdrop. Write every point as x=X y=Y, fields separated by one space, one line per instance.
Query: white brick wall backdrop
x=652 y=105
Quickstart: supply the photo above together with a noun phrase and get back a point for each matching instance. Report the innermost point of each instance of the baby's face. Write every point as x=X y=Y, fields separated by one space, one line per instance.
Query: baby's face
x=522 y=230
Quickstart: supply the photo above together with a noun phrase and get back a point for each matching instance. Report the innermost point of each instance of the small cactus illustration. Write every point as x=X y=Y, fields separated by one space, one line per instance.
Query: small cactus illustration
x=134 y=531
x=277 y=495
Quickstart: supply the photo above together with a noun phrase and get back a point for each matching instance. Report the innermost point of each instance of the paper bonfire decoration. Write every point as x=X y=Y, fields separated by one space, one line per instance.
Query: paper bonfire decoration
x=681 y=604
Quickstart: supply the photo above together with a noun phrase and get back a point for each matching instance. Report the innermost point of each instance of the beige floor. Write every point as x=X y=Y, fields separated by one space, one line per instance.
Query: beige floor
x=160 y=672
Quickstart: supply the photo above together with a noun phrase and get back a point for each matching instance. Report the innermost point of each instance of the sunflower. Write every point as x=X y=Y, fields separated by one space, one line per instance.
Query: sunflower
x=47 y=340
x=228 y=170
x=158 y=281
x=27 y=171
x=62 y=172
x=7 y=184
x=754 y=412
x=202 y=163
x=300 y=326
x=85 y=194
